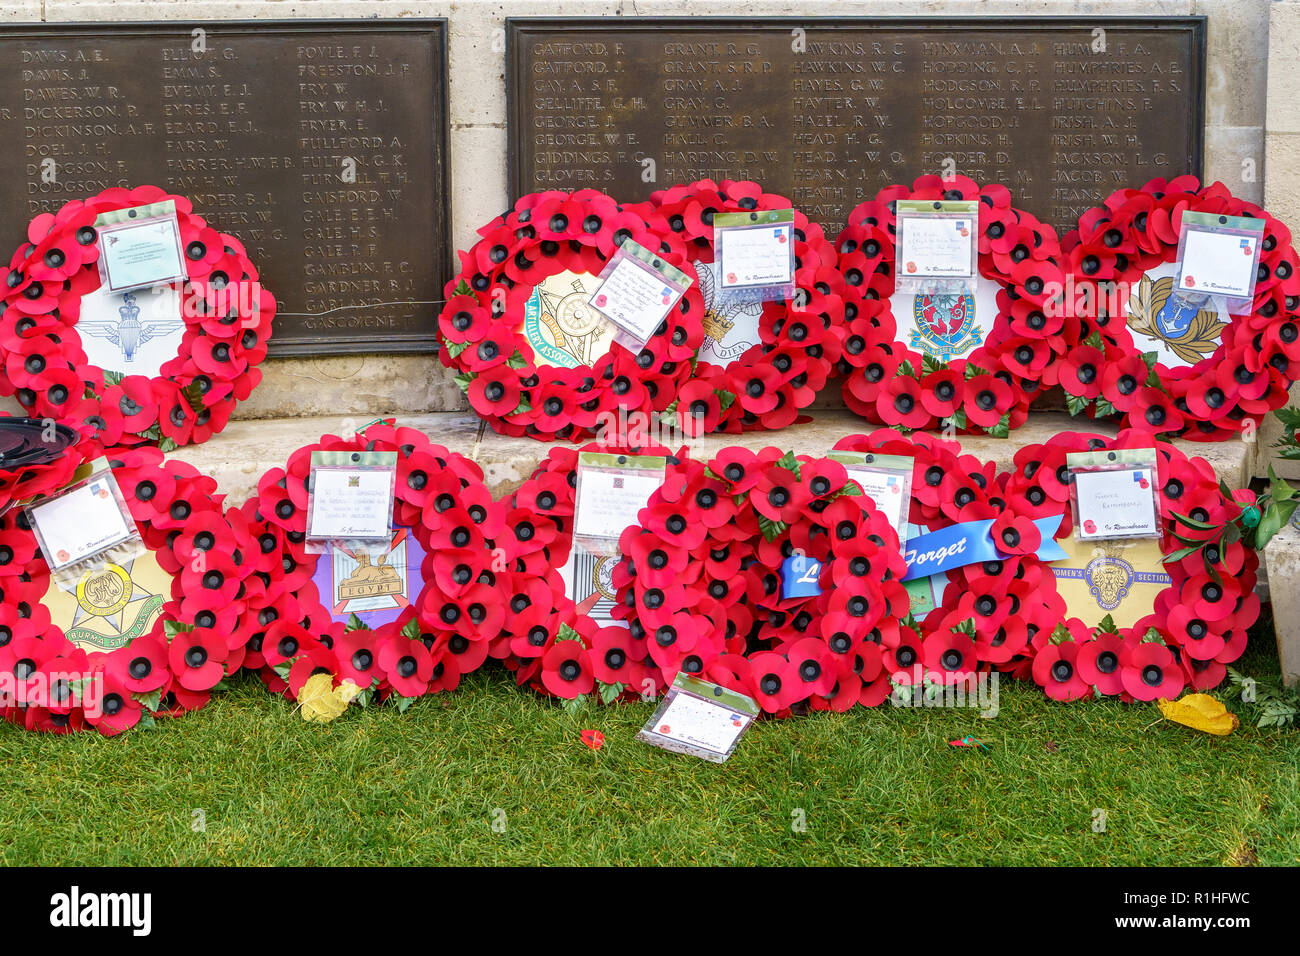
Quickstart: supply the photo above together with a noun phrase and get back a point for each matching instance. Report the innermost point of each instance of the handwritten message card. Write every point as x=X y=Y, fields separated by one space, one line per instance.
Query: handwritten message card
x=139 y=247
x=1220 y=263
x=757 y=256
x=700 y=718
x=609 y=498
x=351 y=503
x=85 y=521
x=936 y=246
x=1116 y=504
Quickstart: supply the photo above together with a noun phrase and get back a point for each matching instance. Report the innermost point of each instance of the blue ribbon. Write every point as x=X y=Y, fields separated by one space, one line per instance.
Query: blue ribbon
x=970 y=543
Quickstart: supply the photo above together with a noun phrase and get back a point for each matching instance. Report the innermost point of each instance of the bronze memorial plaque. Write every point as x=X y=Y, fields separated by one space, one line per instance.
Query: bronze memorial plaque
x=827 y=111
x=319 y=144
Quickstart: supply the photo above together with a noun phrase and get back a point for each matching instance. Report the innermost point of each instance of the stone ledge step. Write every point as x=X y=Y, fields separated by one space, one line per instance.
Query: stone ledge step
x=239 y=455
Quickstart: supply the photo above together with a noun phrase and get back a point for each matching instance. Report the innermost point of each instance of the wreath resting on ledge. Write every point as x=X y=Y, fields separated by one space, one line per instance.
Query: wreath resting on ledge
x=1205 y=376
x=227 y=319
x=941 y=364
x=533 y=357
x=798 y=341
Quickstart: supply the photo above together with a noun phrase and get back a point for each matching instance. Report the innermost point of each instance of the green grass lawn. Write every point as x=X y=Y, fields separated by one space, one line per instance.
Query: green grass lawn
x=875 y=786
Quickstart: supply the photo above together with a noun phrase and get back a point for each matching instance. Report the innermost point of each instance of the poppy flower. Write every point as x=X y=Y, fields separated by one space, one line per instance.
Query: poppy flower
x=950 y=657
x=1099 y=662
x=699 y=408
x=357 y=656
x=814 y=665
x=1015 y=534
x=900 y=403
x=739 y=467
x=1150 y=672
x=1056 y=670
x=1209 y=599
x=407 y=665
x=494 y=395
x=1082 y=370
x=118 y=710
x=779 y=495
x=941 y=392
x=197 y=658
x=615 y=658
x=1199 y=638
x=142 y=666
x=986 y=399
x=1121 y=378
x=776 y=681
x=567 y=671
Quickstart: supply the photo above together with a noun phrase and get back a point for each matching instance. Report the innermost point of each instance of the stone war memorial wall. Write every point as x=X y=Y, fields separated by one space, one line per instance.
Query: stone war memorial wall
x=321 y=145
x=827 y=112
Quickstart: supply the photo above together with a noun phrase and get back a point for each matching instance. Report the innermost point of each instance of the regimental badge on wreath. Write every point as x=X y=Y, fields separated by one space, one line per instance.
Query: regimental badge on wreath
x=110 y=605
x=561 y=325
x=944 y=325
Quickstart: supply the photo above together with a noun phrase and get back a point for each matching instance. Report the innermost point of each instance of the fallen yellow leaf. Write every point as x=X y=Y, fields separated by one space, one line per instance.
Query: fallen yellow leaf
x=1200 y=712
x=321 y=701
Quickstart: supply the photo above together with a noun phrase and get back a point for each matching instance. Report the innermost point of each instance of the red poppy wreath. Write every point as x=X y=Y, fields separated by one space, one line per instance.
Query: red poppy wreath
x=948 y=634
x=765 y=572
x=562 y=639
x=531 y=353
x=1150 y=360
x=1139 y=620
x=148 y=637
x=390 y=623
x=978 y=360
x=759 y=363
x=68 y=345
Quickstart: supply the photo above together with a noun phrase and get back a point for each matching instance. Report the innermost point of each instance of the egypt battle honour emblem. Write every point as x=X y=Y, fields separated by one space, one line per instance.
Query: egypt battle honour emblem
x=944 y=325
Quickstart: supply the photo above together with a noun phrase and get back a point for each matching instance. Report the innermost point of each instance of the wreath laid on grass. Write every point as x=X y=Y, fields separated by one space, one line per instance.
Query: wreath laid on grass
x=225 y=312
x=533 y=356
x=701 y=586
x=1200 y=618
x=974 y=361
x=348 y=626
x=986 y=614
x=533 y=646
x=1152 y=365
x=133 y=653
x=796 y=342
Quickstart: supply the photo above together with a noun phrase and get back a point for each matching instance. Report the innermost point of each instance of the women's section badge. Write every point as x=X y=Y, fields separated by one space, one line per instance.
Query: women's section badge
x=944 y=325
x=111 y=605
x=562 y=326
x=1119 y=578
x=1183 y=333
